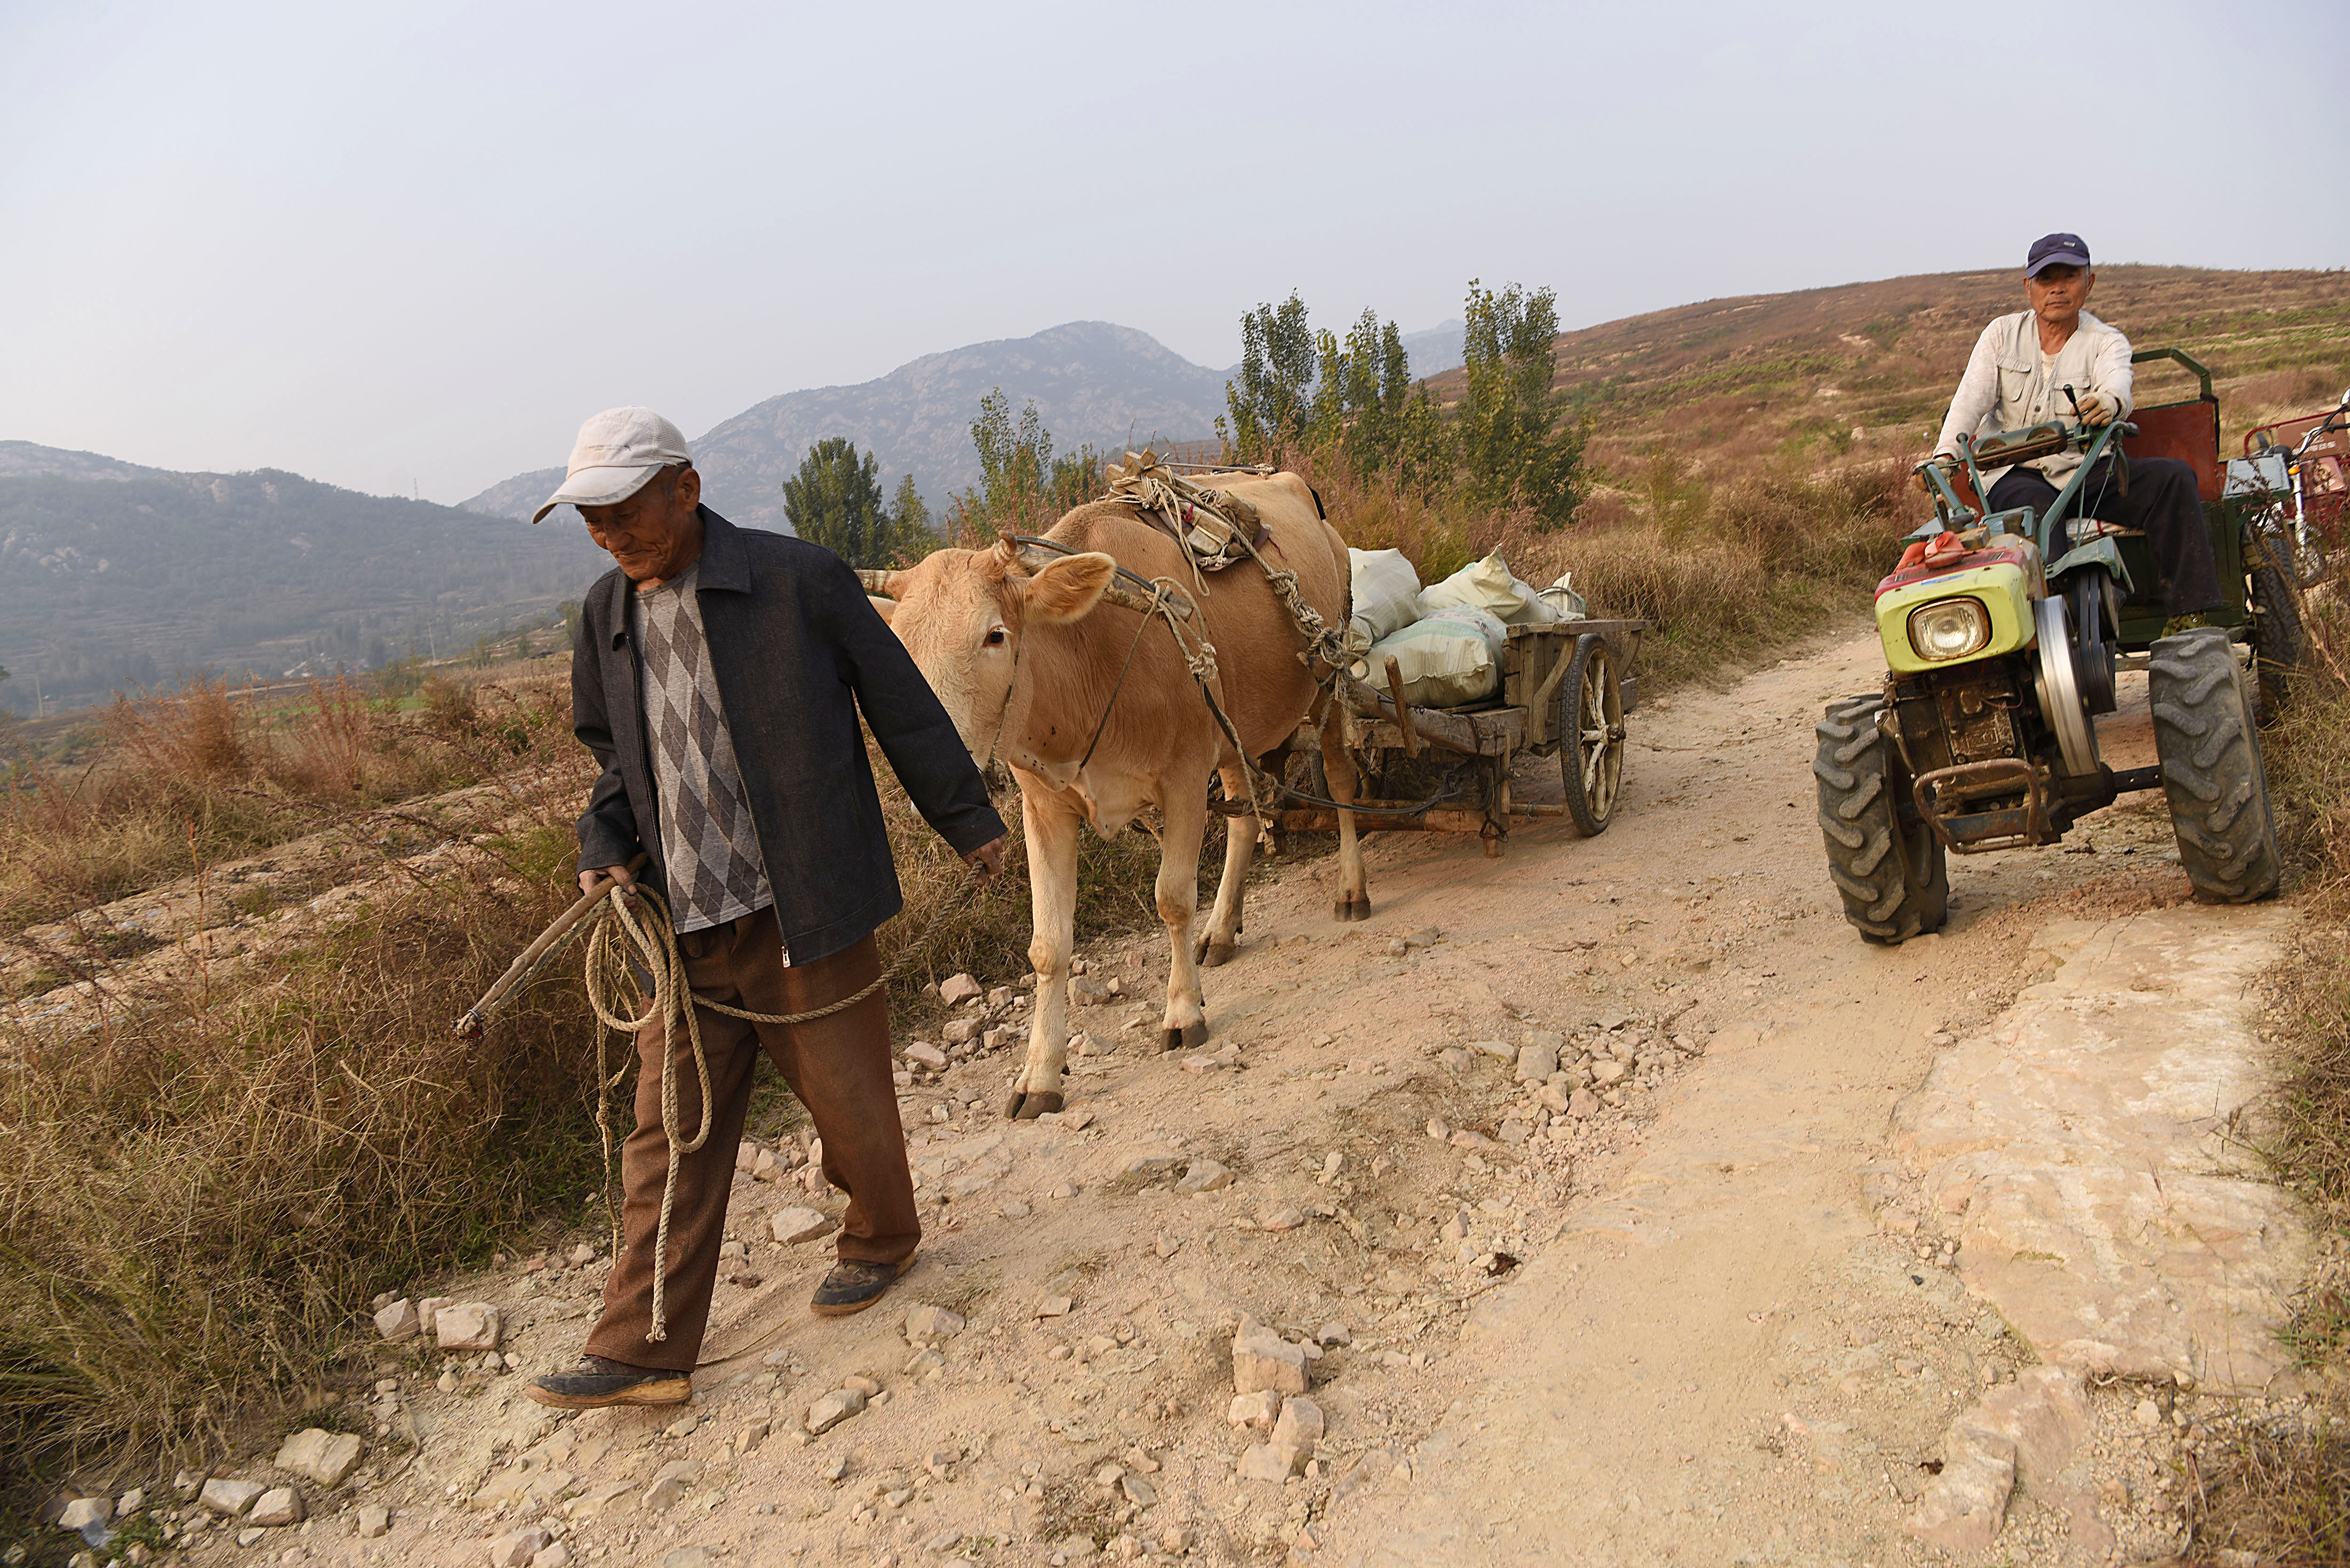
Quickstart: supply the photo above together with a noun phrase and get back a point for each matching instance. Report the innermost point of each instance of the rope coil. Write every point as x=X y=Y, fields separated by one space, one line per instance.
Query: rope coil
x=638 y=931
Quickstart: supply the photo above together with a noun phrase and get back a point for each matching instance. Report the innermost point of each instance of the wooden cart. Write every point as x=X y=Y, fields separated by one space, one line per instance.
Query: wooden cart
x=1565 y=687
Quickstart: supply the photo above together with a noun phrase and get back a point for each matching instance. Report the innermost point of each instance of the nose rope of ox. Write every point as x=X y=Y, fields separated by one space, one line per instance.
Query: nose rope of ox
x=638 y=929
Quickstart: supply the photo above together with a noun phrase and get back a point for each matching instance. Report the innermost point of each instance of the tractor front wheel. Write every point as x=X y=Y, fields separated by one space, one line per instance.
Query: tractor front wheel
x=2211 y=771
x=1893 y=878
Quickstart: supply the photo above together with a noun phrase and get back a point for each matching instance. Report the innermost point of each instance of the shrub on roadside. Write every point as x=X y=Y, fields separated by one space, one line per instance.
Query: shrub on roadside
x=202 y=776
x=2280 y=1490
x=206 y=1171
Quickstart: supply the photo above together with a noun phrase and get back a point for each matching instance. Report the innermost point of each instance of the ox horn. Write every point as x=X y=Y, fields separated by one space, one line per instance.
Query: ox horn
x=878 y=581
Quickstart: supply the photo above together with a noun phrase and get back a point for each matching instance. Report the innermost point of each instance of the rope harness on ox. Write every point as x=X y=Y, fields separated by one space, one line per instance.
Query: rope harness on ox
x=1215 y=529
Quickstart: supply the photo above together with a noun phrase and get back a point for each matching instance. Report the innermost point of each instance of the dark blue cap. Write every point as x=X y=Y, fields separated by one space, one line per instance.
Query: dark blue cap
x=2056 y=250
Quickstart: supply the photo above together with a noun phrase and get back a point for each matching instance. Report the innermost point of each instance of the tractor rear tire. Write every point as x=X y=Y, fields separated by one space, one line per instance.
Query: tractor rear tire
x=2211 y=770
x=1896 y=882
x=2276 y=639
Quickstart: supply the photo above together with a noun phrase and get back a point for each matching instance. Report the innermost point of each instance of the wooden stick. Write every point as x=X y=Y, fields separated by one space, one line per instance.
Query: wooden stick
x=1538 y=711
x=478 y=1017
x=1436 y=819
x=1403 y=709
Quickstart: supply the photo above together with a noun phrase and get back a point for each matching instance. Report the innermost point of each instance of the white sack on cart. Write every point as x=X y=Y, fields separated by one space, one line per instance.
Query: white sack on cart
x=1386 y=596
x=1561 y=602
x=1490 y=586
x=1446 y=660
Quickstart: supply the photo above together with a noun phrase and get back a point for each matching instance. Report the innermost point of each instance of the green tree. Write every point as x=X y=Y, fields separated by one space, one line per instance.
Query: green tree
x=1424 y=459
x=1270 y=407
x=1022 y=484
x=1302 y=389
x=1362 y=393
x=1015 y=460
x=1512 y=440
x=910 y=519
x=835 y=500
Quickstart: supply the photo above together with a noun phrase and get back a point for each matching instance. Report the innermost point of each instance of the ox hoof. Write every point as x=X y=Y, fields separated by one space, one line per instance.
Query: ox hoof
x=1353 y=907
x=1209 y=955
x=1185 y=1039
x=1027 y=1104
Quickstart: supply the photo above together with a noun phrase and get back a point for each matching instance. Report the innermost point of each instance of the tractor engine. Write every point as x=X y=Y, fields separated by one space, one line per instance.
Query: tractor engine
x=1964 y=715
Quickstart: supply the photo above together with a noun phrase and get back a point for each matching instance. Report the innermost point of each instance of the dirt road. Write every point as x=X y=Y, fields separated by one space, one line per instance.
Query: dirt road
x=1693 y=1308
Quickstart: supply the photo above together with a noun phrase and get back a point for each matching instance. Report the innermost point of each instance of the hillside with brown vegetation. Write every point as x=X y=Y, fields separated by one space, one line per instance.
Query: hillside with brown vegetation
x=1867 y=369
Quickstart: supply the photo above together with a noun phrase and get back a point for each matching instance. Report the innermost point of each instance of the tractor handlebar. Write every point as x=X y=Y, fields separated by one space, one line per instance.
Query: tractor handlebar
x=2004 y=449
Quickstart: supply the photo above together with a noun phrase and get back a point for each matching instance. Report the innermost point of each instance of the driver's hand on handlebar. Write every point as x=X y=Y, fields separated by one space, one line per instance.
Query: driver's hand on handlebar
x=1918 y=476
x=2097 y=410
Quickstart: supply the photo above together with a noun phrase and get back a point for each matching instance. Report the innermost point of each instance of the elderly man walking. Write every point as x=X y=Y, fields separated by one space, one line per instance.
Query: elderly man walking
x=717 y=678
x=2056 y=362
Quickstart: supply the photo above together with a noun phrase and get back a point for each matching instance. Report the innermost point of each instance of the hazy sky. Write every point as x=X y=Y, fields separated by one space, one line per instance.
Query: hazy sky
x=378 y=244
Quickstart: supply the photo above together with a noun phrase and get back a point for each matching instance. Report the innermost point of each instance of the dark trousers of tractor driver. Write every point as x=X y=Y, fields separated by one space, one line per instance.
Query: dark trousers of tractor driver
x=840 y=1069
x=2163 y=504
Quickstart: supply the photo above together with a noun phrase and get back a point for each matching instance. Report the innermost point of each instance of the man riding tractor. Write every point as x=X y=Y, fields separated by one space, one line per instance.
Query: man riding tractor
x=2056 y=360
x=2071 y=527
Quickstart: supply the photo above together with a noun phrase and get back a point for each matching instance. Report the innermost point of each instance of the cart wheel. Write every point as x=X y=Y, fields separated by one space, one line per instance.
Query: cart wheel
x=1591 y=734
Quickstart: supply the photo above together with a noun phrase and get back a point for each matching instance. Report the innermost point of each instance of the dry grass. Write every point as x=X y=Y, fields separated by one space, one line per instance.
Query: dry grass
x=1728 y=566
x=202 y=774
x=199 y=1188
x=2279 y=1492
x=2279 y=1486
x=201 y=1191
x=1731 y=570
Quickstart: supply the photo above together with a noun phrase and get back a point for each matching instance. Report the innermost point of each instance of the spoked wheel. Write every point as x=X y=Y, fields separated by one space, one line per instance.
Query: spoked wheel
x=1591 y=734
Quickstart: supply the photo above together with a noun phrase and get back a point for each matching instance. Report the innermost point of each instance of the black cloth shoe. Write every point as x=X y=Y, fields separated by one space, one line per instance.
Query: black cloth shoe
x=853 y=1287
x=599 y=1381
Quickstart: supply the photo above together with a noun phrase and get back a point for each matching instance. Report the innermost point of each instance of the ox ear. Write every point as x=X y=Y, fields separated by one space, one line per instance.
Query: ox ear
x=881 y=606
x=1068 y=588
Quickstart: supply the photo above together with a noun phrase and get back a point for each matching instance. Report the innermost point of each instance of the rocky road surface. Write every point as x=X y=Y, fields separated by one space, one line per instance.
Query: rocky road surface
x=1608 y=1202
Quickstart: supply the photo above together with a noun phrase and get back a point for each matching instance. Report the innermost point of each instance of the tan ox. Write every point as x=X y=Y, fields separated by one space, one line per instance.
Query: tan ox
x=1027 y=665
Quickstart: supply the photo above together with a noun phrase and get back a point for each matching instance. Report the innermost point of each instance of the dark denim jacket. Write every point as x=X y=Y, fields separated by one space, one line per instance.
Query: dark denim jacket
x=798 y=652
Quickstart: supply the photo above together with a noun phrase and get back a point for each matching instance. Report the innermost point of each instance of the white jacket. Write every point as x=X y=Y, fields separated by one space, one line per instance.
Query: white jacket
x=2003 y=388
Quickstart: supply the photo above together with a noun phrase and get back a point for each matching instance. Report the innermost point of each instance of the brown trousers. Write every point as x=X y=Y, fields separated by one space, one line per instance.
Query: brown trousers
x=838 y=1066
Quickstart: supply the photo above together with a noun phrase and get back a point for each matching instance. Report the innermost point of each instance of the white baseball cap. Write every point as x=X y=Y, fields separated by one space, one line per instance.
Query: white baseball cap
x=617 y=450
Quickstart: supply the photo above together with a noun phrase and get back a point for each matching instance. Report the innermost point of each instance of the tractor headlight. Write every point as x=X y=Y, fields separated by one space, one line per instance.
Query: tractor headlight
x=1948 y=629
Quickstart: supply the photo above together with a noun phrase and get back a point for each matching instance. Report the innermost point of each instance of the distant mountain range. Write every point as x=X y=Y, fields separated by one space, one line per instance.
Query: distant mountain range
x=113 y=574
x=1093 y=383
